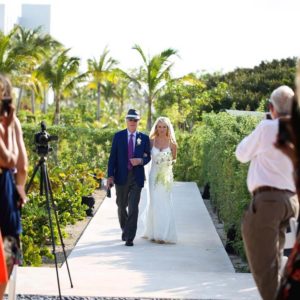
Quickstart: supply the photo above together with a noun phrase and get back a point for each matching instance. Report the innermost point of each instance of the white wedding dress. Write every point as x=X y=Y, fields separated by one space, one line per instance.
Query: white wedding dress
x=159 y=219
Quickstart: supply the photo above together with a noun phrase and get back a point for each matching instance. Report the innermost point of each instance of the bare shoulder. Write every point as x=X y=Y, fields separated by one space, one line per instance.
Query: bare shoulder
x=18 y=125
x=151 y=142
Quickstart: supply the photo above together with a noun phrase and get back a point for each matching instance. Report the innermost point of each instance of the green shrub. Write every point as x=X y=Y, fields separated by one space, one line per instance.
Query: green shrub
x=77 y=158
x=208 y=156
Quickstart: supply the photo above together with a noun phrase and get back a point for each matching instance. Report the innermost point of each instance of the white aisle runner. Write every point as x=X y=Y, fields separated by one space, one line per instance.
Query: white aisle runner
x=197 y=267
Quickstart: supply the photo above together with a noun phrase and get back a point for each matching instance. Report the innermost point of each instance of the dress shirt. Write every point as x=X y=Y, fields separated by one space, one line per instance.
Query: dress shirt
x=268 y=166
x=134 y=138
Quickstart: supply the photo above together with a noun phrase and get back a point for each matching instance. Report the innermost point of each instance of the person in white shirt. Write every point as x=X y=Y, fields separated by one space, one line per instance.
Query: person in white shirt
x=274 y=200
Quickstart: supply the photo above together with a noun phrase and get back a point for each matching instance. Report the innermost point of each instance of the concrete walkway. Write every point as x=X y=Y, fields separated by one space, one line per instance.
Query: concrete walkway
x=197 y=267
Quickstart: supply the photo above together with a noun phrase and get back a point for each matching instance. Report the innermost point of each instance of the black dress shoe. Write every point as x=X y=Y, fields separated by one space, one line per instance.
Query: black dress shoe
x=129 y=243
x=123 y=237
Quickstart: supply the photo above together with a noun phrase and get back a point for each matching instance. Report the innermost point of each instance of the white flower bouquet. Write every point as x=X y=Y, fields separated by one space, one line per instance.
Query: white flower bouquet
x=164 y=175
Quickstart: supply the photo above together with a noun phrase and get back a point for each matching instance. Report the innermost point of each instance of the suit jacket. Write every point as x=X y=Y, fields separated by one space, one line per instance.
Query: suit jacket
x=117 y=163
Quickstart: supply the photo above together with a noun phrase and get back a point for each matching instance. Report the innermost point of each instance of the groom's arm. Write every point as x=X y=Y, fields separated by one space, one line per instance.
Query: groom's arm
x=141 y=161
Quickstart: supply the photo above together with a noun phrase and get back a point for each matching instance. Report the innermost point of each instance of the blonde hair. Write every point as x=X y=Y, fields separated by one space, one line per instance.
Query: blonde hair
x=5 y=86
x=170 y=130
x=2 y=86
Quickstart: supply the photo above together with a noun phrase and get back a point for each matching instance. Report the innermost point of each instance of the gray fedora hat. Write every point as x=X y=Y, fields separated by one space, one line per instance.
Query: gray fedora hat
x=132 y=114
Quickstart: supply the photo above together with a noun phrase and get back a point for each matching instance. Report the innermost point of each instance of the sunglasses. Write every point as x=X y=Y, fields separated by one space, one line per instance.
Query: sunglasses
x=132 y=120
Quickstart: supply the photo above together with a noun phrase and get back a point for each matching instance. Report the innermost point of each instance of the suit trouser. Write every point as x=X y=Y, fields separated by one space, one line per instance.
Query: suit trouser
x=128 y=198
x=263 y=230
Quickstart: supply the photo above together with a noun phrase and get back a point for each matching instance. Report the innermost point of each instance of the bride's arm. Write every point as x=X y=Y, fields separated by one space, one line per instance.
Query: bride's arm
x=151 y=143
x=174 y=151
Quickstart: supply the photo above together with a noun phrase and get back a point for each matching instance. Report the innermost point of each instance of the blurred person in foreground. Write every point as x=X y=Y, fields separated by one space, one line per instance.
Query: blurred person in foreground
x=288 y=141
x=13 y=172
x=274 y=200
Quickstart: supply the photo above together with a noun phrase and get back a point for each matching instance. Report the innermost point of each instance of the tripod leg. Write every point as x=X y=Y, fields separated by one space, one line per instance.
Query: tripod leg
x=47 y=194
x=33 y=174
x=42 y=185
x=57 y=223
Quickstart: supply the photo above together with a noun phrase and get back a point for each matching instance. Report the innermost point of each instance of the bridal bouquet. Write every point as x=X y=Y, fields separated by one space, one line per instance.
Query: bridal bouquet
x=164 y=173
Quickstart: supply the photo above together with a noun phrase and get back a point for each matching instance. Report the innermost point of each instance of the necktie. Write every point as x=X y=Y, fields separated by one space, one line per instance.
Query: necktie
x=130 y=152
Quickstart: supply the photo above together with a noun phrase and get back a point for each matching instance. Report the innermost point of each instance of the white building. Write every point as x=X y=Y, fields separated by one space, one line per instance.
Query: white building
x=2 y=17
x=29 y=16
x=35 y=15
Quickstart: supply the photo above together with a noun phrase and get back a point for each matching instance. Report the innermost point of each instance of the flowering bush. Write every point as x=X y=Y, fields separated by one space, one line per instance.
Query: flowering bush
x=164 y=175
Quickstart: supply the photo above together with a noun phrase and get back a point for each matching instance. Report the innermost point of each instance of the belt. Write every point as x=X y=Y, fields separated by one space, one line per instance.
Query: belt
x=270 y=189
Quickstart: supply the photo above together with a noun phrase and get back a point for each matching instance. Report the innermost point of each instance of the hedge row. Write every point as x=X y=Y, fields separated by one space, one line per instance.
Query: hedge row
x=207 y=156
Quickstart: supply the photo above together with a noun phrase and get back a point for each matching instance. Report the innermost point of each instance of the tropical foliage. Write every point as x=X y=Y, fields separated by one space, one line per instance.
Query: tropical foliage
x=102 y=71
x=62 y=74
x=75 y=165
x=155 y=73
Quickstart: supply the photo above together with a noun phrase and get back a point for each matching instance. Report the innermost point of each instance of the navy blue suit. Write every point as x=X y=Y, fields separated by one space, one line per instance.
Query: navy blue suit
x=117 y=164
x=128 y=183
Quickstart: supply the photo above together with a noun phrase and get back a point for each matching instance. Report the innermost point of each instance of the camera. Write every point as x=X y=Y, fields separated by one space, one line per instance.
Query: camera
x=268 y=116
x=5 y=105
x=41 y=140
x=108 y=192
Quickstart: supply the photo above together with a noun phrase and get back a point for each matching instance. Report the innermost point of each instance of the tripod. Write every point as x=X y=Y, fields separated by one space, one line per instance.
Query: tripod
x=45 y=189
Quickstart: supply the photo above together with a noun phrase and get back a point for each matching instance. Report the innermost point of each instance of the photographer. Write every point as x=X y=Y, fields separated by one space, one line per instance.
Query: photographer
x=274 y=200
x=21 y=165
x=13 y=171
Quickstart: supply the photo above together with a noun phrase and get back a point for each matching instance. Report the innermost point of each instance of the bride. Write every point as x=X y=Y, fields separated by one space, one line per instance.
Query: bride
x=159 y=216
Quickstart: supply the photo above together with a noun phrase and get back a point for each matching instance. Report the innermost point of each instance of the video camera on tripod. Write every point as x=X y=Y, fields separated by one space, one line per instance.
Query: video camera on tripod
x=41 y=140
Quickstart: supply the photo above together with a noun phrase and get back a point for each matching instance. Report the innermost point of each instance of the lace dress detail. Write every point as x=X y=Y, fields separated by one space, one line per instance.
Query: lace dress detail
x=159 y=216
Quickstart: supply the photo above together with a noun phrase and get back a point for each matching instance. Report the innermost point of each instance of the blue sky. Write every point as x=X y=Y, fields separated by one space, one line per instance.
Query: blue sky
x=211 y=35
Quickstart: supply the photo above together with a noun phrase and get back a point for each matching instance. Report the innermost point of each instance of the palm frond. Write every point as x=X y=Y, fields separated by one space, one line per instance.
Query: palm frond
x=139 y=49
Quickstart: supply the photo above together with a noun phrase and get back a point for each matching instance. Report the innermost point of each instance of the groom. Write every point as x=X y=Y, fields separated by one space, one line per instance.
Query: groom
x=129 y=153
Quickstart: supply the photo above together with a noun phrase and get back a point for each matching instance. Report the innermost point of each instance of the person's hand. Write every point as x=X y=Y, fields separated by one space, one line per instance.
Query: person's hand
x=136 y=161
x=109 y=182
x=22 y=194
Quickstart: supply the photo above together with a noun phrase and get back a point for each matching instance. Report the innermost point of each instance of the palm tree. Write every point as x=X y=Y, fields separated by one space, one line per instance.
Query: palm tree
x=121 y=91
x=9 y=60
x=156 y=74
x=61 y=72
x=101 y=70
x=33 y=44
